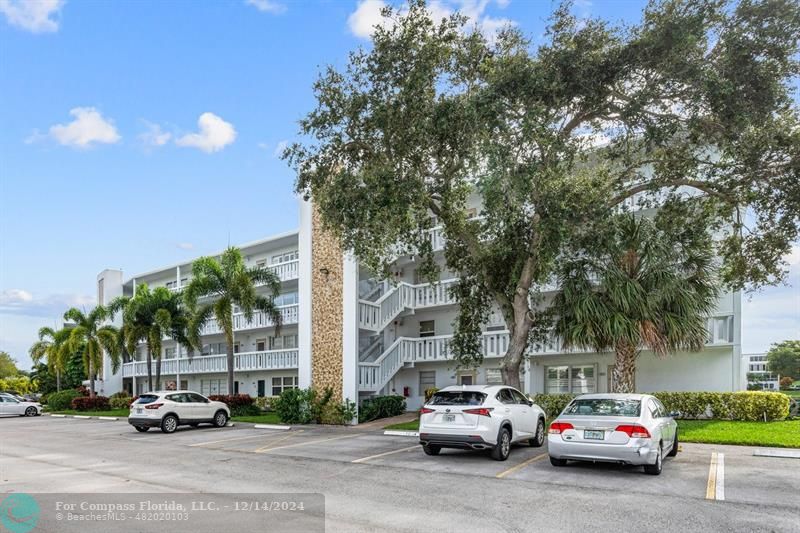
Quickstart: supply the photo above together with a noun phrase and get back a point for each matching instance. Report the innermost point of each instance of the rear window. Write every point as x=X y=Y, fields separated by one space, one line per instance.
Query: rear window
x=604 y=407
x=457 y=398
x=147 y=398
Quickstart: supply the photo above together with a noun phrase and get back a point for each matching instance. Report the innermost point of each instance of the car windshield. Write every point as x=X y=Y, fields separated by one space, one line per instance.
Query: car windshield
x=147 y=398
x=603 y=407
x=457 y=398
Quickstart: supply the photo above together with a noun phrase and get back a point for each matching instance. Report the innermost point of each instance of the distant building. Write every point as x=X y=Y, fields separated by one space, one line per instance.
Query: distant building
x=757 y=373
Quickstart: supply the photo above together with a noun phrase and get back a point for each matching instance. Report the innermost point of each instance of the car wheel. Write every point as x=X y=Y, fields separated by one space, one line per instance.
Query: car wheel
x=169 y=424
x=502 y=449
x=30 y=411
x=220 y=419
x=538 y=440
x=674 y=451
x=655 y=469
x=558 y=462
x=141 y=429
x=431 y=449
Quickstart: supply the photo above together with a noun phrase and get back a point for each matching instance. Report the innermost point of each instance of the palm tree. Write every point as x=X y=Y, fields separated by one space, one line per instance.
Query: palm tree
x=148 y=317
x=227 y=282
x=52 y=346
x=95 y=337
x=650 y=287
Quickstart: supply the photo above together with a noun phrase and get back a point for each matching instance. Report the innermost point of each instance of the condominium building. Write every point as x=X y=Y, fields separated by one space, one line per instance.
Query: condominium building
x=364 y=336
x=758 y=374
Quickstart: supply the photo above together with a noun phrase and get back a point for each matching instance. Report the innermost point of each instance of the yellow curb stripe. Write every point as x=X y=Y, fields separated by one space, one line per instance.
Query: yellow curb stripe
x=521 y=465
x=364 y=459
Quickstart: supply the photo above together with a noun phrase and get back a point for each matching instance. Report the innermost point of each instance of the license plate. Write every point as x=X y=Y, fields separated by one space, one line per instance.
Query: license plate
x=593 y=435
x=139 y=410
x=449 y=418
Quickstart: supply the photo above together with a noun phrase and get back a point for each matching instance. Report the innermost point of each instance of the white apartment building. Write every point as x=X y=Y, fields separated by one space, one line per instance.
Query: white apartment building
x=343 y=328
x=757 y=372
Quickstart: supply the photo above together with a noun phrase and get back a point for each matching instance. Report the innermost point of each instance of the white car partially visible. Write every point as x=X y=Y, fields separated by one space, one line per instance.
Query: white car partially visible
x=11 y=405
x=480 y=417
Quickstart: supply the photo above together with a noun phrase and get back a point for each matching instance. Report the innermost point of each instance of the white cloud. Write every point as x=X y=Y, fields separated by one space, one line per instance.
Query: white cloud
x=154 y=136
x=280 y=147
x=37 y=16
x=214 y=135
x=773 y=314
x=267 y=6
x=185 y=245
x=22 y=302
x=367 y=16
x=89 y=127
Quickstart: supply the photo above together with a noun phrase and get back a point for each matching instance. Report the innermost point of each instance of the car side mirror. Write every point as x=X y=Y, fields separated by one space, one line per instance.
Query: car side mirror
x=674 y=414
x=530 y=403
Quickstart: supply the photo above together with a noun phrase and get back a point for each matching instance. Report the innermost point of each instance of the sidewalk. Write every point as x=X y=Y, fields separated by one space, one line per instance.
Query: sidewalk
x=383 y=422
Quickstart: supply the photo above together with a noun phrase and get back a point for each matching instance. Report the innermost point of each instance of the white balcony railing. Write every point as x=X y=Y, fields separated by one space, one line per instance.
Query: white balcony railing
x=377 y=315
x=285 y=271
x=373 y=376
x=259 y=320
x=206 y=364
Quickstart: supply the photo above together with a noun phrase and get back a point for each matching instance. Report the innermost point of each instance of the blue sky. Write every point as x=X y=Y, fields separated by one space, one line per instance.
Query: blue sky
x=138 y=134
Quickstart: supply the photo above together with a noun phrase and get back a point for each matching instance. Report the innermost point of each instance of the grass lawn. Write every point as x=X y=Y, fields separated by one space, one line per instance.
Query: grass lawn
x=782 y=434
x=113 y=412
x=792 y=393
x=266 y=418
x=405 y=426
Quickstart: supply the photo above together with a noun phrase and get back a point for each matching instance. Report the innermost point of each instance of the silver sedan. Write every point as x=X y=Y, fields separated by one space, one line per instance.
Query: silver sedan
x=632 y=429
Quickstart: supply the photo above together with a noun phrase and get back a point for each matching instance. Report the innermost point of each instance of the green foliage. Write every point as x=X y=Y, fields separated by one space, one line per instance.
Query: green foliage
x=697 y=96
x=94 y=338
x=552 y=404
x=8 y=366
x=226 y=282
x=59 y=401
x=19 y=384
x=307 y=406
x=120 y=400
x=783 y=358
x=785 y=434
x=429 y=392
x=44 y=377
x=786 y=382
x=90 y=403
x=265 y=402
x=381 y=407
x=74 y=371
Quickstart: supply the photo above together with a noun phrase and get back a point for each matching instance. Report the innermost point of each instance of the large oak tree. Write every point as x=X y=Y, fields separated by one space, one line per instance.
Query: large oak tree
x=692 y=104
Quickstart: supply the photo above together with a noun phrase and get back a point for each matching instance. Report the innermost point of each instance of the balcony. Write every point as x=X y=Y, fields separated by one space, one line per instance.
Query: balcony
x=207 y=364
x=377 y=315
x=286 y=271
x=259 y=320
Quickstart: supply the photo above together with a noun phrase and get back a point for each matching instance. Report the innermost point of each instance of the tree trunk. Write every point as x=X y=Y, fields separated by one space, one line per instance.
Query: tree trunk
x=149 y=370
x=230 y=364
x=158 y=372
x=58 y=380
x=91 y=378
x=623 y=378
x=513 y=359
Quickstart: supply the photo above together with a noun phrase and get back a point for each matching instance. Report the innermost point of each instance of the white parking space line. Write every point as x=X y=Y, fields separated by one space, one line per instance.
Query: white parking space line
x=715 y=488
x=384 y=454
x=308 y=442
x=259 y=435
x=274 y=442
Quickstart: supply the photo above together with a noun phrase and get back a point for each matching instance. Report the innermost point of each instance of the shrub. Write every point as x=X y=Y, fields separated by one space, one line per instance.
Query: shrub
x=265 y=402
x=87 y=403
x=381 y=407
x=246 y=410
x=429 y=392
x=307 y=406
x=59 y=401
x=239 y=404
x=552 y=404
x=786 y=382
x=120 y=400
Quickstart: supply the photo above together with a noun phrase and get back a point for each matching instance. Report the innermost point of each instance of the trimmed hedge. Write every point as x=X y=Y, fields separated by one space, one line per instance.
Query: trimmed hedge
x=381 y=407
x=87 y=403
x=120 y=400
x=60 y=401
x=750 y=405
x=265 y=402
x=239 y=404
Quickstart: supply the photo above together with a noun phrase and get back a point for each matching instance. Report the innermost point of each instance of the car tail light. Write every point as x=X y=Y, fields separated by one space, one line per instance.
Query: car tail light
x=557 y=428
x=426 y=410
x=153 y=405
x=634 y=431
x=482 y=411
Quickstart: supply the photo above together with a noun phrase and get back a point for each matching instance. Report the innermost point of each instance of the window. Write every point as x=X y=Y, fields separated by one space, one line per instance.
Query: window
x=210 y=387
x=427 y=380
x=466 y=379
x=457 y=398
x=280 y=384
x=172 y=284
x=604 y=407
x=574 y=379
x=169 y=353
x=426 y=328
x=286 y=342
x=261 y=345
x=720 y=330
x=285 y=257
x=287 y=298
x=261 y=263
x=504 y=396
x=494 y=376
x=519 y=397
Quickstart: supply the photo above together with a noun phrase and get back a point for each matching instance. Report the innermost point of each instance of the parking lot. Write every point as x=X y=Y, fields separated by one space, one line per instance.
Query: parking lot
x=372 y=481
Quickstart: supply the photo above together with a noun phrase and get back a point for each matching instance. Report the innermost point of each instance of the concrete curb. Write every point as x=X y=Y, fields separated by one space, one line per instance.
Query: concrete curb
x=107 y=418
x=271 y=426
x=84 y=417
x=56 y=416
x=397 y=433
x=230 y=424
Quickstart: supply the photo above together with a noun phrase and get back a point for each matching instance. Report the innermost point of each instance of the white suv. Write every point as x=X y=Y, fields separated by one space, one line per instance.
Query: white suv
x=170 y=409
x=482 y=417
